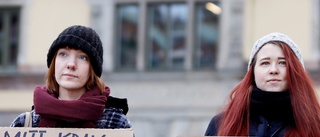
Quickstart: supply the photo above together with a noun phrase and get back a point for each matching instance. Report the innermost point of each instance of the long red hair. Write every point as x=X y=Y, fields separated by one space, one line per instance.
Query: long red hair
x=306 y=110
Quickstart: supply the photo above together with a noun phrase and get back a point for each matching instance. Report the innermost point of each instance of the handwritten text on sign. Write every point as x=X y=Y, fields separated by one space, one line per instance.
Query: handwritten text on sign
x=64 y=132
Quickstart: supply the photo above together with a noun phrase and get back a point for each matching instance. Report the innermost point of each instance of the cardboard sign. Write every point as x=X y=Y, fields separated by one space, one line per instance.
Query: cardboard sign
x=64 y=132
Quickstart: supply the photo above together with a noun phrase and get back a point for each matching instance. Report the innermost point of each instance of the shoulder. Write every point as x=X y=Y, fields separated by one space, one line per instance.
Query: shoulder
x=19 y=120
x=113 y=118
x=120 y=103
x=212 y=128
x=114 y=115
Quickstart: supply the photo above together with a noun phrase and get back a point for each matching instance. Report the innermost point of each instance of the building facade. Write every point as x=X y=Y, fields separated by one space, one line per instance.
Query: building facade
x=175 y=60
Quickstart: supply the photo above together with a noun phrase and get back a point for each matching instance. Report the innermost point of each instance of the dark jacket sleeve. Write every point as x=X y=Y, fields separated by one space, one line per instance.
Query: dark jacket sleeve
x=212 y=129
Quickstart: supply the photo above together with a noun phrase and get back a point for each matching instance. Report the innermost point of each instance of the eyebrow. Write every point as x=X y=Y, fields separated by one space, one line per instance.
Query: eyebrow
x=268 y=58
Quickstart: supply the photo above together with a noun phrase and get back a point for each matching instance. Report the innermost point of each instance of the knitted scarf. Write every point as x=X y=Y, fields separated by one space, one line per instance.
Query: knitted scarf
x=79 y=113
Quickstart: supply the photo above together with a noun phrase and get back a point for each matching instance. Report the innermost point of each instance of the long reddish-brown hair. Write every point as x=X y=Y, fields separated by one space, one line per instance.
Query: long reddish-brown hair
x=306 y=110
x=53 y=86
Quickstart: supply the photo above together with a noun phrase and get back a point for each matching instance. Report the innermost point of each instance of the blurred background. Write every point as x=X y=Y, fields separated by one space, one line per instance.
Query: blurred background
x=174 y=60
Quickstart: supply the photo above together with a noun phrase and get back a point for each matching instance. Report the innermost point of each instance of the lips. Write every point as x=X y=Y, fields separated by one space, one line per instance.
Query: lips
x=273 y=80
x=70 y=75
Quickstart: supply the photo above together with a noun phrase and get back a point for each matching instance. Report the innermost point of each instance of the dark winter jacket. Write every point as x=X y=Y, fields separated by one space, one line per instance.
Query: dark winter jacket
x=270 y=115
x=261 y=128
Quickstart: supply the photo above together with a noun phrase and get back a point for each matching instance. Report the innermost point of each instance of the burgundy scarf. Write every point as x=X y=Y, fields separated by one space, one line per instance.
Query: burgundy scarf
x=79 y=113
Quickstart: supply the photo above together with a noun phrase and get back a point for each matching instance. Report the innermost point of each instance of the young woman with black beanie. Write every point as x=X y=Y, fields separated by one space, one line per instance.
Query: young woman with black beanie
x=74 y=95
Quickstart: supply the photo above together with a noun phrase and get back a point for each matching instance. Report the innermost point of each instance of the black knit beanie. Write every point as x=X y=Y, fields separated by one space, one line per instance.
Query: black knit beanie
x=83 y=38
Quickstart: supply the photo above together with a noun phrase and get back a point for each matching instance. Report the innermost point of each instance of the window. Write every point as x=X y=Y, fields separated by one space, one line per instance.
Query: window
x=166 y=35
x=164 y=41
x=9 y=30
x=127 y=30
x=207 y=35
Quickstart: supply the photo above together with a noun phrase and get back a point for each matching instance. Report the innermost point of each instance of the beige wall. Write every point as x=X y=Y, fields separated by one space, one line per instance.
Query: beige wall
x=43 y=20
x=291 y=17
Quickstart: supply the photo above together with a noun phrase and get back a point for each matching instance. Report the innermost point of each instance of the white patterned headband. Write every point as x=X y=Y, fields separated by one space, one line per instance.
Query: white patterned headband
x=275 y=37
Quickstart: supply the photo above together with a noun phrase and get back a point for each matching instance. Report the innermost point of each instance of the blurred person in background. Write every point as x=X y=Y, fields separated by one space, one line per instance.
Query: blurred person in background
x=275 y=98
x=74 y=95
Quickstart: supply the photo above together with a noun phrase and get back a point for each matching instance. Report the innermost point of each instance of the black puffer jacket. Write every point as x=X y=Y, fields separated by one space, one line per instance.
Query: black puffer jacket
x=270 y=116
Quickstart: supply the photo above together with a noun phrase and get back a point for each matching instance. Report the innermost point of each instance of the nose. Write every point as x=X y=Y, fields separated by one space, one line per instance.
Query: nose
x=71 y=64
x=273 y=69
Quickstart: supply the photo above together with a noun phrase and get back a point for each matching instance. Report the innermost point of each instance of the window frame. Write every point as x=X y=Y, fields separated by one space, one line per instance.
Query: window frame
x=5 y=65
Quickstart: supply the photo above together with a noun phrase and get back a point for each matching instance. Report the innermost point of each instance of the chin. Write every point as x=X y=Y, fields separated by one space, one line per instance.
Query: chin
x=275 y=90
x=71 y=87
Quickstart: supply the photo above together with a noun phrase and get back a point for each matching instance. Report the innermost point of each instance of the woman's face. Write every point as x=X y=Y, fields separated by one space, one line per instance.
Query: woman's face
x=270 y=69
x=71 y=69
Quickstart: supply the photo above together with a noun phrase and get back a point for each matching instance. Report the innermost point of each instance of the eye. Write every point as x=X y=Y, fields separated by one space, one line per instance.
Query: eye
x=265 y=63
x=282 y=62
x=62 y=53
x=83 y=57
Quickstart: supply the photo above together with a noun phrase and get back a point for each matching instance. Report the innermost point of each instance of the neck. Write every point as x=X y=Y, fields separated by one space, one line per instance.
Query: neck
x=67 y=94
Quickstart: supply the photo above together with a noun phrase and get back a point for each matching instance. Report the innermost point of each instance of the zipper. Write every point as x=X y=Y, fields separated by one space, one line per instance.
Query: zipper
x=268 y=128
x=278 y=130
